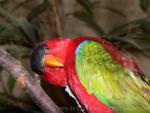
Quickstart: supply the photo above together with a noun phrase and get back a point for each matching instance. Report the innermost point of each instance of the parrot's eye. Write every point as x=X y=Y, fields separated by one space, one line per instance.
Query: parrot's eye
x=36 y=58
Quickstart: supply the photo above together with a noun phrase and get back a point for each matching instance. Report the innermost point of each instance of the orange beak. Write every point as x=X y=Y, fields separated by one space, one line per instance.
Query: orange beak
x=53 y=62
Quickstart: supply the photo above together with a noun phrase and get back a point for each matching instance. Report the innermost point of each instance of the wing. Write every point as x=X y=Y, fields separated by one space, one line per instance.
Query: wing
x=116 y=86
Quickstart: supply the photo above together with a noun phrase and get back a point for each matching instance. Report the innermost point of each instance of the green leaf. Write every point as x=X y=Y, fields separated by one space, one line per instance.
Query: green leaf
x=13 y=52
x=143 y=43
x=144 y=35
x=27 y=29
x=7 y=34
x=4 y=12
x=86 y=4
x=10 y=84
x=88 y=19
x=126 y=40
x=123 y=26
x=29 y=32
x=2 y=2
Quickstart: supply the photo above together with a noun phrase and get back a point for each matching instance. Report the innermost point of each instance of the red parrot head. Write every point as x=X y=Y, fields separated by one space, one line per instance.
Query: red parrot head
x=48 y=60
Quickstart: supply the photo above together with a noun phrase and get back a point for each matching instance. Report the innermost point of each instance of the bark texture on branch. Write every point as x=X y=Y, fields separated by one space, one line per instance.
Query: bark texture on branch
x=31 y=87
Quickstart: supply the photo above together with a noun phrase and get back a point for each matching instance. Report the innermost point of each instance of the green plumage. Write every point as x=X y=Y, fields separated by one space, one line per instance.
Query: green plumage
x=117 y=87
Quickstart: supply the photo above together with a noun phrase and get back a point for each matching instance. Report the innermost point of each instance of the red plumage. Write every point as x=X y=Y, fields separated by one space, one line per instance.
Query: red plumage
x=65 y=50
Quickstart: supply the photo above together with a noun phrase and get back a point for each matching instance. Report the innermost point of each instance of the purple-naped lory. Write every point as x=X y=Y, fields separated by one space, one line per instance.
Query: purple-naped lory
x=97 y=74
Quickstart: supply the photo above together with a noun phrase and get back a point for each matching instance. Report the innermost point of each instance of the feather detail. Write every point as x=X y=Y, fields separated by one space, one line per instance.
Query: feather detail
x=116 y=86
x=68 y=90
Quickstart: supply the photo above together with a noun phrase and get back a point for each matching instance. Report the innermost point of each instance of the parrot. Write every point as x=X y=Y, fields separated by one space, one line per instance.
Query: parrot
x=99 y=76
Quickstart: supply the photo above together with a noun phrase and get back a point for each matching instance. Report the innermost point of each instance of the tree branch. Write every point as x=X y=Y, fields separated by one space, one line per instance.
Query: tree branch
x=31 y=87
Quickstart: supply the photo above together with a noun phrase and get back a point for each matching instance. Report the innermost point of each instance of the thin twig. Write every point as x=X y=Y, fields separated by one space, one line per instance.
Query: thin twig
x=31 y=87
x=52 y=19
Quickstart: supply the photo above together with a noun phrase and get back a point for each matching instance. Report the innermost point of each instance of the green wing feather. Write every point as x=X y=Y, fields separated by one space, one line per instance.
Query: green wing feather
x=117 y=87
